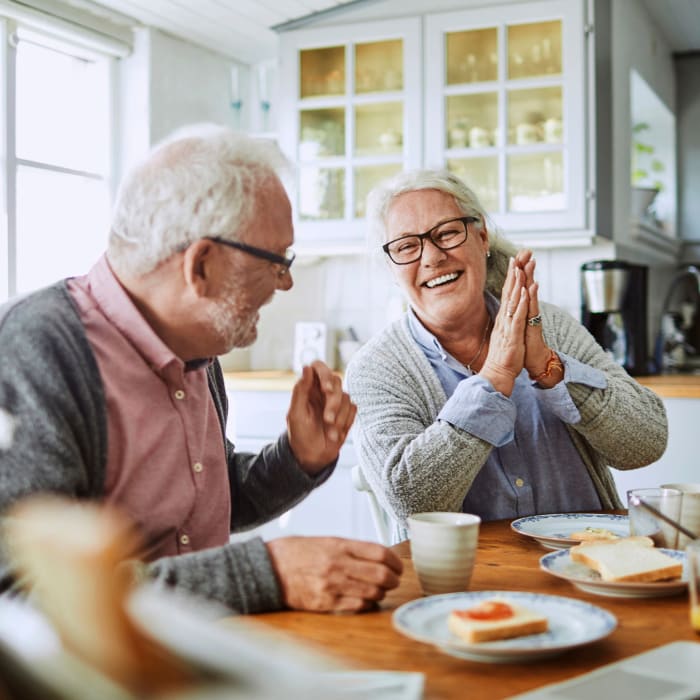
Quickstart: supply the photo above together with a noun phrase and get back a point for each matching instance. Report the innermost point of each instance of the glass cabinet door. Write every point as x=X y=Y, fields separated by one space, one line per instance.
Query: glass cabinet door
x=351 y=95
x=505 y=98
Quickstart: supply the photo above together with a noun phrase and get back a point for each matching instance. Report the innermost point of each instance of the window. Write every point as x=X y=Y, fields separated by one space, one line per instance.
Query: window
x=59 y=148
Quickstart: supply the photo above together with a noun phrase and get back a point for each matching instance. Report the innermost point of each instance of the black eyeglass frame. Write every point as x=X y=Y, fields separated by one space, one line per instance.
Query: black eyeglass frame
x=466 y=220
x=257 y=252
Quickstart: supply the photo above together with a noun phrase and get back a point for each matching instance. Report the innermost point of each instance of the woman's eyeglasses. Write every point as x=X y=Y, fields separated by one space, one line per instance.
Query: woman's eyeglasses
x=446 y=235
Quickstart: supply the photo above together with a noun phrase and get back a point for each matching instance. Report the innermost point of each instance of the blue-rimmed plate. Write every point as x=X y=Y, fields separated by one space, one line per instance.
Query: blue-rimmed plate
x=572 y=623
x=552 y=531
x=562 y=565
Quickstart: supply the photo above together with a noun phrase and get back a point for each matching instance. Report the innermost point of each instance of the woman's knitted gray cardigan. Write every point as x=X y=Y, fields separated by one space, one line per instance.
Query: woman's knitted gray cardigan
x=416 y=463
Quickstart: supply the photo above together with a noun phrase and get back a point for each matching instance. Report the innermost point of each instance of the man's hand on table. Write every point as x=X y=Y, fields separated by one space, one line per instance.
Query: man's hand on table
x=330 y=574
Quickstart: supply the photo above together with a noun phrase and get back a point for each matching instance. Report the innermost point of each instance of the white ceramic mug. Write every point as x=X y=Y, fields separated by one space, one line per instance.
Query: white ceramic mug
x=443 y=549
x=690 y=509
x=553 y=131
x=526 y=133
x=642 y=522
x=478 y=137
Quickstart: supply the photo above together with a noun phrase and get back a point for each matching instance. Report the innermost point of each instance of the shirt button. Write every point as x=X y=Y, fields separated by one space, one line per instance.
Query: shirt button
x=197 y=466
x=179 y=394
x=519 y=482
x=184 y=539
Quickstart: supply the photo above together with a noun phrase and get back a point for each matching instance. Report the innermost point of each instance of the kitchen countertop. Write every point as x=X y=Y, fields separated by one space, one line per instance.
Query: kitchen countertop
x=668 y=386
x=260 y=380
x=673 y=386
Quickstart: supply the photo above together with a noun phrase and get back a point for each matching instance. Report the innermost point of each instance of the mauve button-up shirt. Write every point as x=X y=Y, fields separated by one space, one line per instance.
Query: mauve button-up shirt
x=166 y=465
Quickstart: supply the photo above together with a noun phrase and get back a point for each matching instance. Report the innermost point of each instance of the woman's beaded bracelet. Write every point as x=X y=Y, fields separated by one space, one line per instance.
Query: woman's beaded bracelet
x=552 y=363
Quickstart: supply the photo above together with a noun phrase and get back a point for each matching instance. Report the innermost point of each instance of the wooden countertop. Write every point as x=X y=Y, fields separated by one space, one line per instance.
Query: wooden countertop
x=673 y=386
x=260 y=380
x=668 y=386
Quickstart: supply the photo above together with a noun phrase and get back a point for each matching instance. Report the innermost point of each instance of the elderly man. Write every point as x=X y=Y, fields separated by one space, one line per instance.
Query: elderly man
x=109 y=390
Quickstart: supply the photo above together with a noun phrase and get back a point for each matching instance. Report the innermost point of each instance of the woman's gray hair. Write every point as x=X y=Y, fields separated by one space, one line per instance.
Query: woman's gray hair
x=201 y=181
x=380 y=199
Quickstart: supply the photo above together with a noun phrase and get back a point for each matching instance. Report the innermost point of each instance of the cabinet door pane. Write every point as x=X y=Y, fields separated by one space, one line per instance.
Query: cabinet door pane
x=366 y=178
x=471 y=56
x=471 y=120
x=322 y=71
x=378 y=128
x=481 y=175
x=321 y=133
x=321 y=193
x=536 y=182
x=379 y=66
x=535 y=116
x=534 y=49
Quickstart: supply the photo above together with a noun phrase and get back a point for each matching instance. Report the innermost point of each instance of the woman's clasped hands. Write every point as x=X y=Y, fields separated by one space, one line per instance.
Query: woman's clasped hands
x=517 y=341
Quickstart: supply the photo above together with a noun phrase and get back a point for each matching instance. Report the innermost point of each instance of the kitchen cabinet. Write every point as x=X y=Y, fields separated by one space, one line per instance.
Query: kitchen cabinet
x=351 y=96
x=502 y=104
x=531 y=102
x=505 y=95
x=335 y=508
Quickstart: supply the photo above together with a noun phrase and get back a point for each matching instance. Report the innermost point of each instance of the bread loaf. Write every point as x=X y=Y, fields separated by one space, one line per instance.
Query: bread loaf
x=627 y=560
x=495 y=619
x=72 y=555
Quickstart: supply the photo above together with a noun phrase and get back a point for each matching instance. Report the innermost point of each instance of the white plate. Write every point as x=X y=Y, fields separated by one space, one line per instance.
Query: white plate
x=552 y=531
x=572 y=623
x=560 y=564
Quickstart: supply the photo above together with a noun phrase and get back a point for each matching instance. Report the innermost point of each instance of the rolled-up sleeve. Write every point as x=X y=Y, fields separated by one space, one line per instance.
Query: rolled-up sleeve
x=477 y=408
x=558 y=400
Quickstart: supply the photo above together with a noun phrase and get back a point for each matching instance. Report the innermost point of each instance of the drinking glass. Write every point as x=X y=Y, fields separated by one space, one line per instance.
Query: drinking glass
x=642 y=522
x=692 y=552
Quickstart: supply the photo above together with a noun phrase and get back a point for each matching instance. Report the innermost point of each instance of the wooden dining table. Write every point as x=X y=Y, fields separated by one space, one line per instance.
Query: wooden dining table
x=506 y=561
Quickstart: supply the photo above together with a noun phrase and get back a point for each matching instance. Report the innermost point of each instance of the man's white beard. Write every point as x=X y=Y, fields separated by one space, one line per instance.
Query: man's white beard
x=233 y=327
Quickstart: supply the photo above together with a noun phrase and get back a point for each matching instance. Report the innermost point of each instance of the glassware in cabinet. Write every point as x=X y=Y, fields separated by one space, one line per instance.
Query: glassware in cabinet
x=502 y=92
x=355 y=118
x=322 y=72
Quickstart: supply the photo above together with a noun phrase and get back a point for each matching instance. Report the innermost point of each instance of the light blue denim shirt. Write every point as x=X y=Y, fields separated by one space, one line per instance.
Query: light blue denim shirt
x=534 y=466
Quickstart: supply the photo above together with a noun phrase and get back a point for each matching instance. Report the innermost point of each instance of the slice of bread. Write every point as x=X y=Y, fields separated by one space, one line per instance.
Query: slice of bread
x=627 y=560
x=521 y=623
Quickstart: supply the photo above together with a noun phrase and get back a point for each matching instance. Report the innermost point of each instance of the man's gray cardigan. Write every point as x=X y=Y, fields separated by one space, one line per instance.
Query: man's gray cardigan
x=51 y=392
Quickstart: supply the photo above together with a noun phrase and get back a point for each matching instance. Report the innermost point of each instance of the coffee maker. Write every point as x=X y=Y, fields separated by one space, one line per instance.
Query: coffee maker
x=614 y=309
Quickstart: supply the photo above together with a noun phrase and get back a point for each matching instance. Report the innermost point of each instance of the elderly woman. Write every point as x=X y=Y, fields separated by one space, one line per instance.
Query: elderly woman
x=482 y=398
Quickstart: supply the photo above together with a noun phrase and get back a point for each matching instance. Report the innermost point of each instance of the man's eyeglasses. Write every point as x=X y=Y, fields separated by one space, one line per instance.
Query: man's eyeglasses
x=284 y=261
x=446 y=235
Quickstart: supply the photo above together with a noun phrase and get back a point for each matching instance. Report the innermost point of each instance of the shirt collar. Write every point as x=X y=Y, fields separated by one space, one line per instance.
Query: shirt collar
x=117 y=306
x=428 y=342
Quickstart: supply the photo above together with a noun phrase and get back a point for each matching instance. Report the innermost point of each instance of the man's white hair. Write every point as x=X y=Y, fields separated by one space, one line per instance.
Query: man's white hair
x=380 y=199
x=202 y=180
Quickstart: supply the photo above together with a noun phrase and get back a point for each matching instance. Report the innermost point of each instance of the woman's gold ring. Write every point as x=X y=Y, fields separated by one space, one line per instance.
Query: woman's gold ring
x=535 y=320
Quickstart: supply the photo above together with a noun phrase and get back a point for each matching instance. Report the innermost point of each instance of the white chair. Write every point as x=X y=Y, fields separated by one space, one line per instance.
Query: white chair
x=382 y=521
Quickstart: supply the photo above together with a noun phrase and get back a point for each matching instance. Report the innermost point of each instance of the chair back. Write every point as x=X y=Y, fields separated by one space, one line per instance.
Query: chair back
x=381 y=519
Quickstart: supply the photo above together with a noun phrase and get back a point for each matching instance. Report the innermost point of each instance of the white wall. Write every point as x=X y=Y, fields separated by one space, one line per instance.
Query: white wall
x=167 y=83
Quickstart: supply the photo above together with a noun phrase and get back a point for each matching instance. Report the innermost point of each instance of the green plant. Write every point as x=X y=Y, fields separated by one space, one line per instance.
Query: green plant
x=645 y=167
